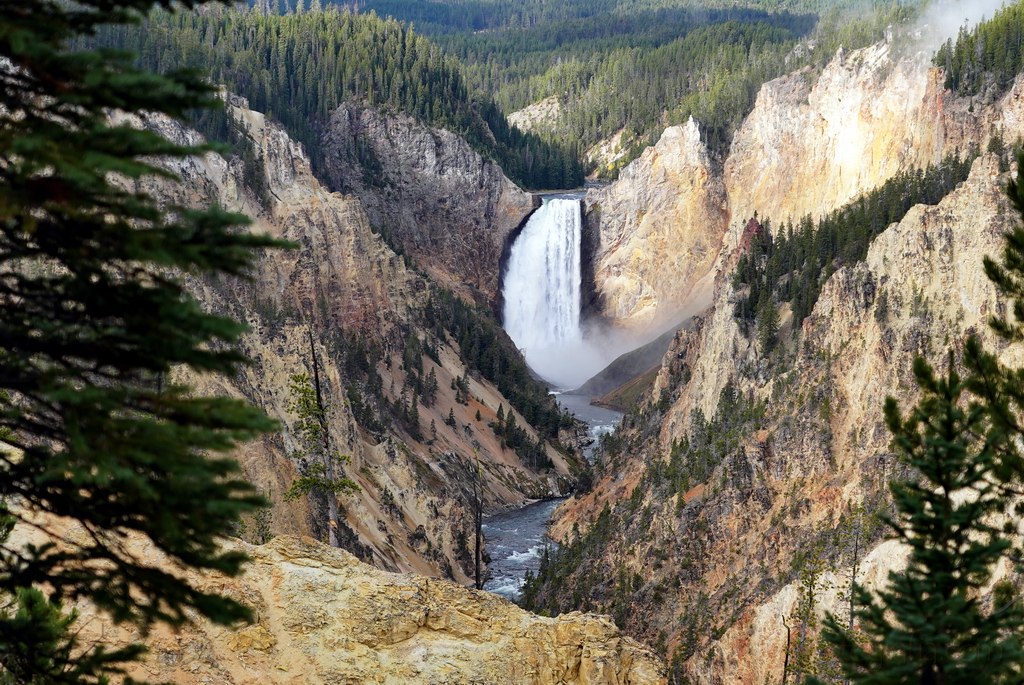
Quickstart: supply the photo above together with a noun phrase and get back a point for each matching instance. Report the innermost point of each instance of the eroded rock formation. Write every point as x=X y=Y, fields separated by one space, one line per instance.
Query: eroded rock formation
x=428 y=190
x=810 y=145
x=323 y=617
x=343 y=283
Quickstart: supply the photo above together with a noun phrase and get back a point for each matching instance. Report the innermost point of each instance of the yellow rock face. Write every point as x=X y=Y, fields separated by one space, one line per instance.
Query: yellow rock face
x=322 y=616
x=809 y=146
x=661 y=226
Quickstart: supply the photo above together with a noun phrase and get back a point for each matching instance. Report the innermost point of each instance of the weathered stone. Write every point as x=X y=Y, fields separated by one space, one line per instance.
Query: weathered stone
x=325 y=617
x=428 y=190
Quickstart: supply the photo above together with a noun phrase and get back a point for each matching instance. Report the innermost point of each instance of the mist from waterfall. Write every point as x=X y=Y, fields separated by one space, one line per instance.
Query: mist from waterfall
x=541 y=291
x=542 y=286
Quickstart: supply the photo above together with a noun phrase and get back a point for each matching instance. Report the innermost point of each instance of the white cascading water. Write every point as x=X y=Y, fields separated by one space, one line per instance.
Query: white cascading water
x=542 y=288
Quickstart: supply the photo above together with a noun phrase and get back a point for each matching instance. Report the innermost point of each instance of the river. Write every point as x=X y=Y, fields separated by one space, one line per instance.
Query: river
x=516 y=539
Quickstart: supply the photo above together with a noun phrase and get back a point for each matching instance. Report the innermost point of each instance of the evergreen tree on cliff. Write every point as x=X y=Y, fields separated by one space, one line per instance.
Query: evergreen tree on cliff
x=95 y=435
x=932 y=625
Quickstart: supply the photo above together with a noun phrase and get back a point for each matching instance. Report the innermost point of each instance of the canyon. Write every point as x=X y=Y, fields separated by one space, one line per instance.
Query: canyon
x=341 y=284
x=403 y=243
x=710 y=572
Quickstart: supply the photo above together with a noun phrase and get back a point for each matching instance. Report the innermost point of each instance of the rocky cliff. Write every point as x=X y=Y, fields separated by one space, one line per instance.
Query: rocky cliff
x=660 y=229
x=344 y=296
x=812 y=143
x=712 y=522
x=428 y=191
x=322 y=616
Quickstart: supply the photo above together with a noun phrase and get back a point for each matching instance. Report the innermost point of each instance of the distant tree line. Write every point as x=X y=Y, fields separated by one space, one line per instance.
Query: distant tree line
x=299 y=67
x=792 y=265
x=638 y=66
x=435 y=17
x=989 y=54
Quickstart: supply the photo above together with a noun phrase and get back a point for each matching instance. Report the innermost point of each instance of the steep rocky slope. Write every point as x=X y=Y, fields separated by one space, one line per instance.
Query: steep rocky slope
x=324 y=617
x=810 y=145
x=537 y=115
x=712 y=522
x=660 y=229
x=433 y=195
x=346 y=298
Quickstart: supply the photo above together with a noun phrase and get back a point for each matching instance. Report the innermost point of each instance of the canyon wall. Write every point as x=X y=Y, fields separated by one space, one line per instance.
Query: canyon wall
x=732 y=545
x=703 y=558
x=811 y=144
x=341 y=291
x=660 y=229
x=435 y=197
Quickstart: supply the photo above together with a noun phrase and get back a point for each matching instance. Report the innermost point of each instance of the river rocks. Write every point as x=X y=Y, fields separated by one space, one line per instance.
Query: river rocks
x=434 y=196
x=324 y=617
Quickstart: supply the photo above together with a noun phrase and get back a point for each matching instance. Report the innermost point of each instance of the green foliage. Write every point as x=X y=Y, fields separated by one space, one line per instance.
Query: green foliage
x=299 y=67
x=963 y=440
x=319 y=465
x=577 y=575
x=515 y=437
x=693 y=459
x=640 y=65
x=93 y=319
x=38 y=645
x=793 y=265
x=489 y=351
x=767 y=323
x=990 y=54
x=929 y=624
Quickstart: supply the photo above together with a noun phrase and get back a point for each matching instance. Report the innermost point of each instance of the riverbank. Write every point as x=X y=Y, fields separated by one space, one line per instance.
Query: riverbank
x=516 y=539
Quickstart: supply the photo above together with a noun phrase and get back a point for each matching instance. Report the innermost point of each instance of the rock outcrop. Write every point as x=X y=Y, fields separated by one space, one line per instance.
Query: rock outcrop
x=344 y=296
x=323 y=617
x=660 y=231
x=434 y=196
x=537 y=115
x=732 y=542
x=810 y=145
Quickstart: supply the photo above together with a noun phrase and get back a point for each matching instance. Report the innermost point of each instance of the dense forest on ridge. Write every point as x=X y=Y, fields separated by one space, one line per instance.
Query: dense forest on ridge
x=990 y=54
x=299 y=67
x=636 y=67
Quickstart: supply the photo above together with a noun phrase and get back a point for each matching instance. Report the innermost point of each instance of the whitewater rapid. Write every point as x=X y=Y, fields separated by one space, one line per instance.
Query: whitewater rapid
x=542 y=282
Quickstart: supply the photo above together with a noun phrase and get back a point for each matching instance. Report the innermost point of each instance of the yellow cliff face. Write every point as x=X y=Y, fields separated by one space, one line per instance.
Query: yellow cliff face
x=823 y=446
x=809 y=146
x=661 y=226
x=324 y=617
x=808 y=150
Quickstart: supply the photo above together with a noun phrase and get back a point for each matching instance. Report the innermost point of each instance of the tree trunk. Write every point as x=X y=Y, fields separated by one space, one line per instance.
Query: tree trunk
x=328 y=458
x=332 y=522
x=478 y=520
x=785 y=663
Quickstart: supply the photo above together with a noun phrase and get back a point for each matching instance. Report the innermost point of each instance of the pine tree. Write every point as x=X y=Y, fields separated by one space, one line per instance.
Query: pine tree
x=930 y=625
x=767 y=323
x=93 y=319
x=320 y=465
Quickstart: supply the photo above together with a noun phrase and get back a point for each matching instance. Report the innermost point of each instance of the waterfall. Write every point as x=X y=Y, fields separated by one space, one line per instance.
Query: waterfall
x=542 y=285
